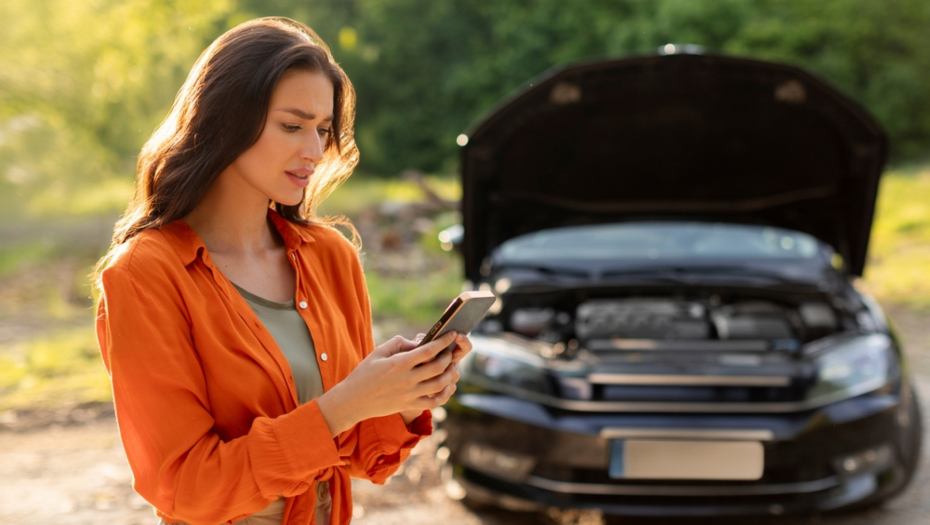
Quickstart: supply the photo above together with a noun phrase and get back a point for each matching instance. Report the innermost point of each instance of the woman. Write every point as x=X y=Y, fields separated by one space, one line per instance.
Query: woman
x=236 y=330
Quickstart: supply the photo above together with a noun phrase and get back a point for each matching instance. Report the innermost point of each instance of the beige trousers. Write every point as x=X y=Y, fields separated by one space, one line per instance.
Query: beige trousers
x=274 y=513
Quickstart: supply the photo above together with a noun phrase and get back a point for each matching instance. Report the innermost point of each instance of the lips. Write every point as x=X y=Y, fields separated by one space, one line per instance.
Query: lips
x=300 y=176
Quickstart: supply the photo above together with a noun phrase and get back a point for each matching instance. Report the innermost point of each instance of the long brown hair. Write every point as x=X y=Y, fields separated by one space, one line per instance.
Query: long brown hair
x=220 y=112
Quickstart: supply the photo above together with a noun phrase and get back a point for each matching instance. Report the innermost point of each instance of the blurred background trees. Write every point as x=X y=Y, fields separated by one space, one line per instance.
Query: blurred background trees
x=83 y=84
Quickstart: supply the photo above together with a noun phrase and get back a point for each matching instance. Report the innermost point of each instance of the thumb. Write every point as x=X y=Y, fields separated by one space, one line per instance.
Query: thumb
x=394 y=345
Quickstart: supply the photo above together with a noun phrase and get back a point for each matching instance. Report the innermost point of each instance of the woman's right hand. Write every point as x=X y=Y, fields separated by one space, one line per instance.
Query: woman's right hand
x=397 y=376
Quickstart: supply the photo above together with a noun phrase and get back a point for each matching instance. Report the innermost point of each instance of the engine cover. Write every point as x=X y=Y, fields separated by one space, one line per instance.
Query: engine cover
x=641 y=318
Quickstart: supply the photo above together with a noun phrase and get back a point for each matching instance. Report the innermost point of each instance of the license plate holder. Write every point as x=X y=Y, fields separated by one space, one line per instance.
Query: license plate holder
x=686 y=459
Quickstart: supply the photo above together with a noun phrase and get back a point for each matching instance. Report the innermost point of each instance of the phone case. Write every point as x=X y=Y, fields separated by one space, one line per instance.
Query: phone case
x=462 y=315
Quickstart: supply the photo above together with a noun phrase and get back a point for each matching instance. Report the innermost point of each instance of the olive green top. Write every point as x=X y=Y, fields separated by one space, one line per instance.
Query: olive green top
x=293 y=337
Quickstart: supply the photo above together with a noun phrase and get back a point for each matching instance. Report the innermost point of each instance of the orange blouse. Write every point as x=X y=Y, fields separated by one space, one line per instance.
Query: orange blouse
x=205 y=400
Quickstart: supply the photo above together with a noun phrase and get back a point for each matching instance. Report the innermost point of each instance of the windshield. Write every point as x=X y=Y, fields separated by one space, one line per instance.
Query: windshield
x=659 y=241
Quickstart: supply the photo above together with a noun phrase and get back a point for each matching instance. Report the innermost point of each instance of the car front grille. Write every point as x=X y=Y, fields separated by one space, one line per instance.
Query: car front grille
x=722 y=394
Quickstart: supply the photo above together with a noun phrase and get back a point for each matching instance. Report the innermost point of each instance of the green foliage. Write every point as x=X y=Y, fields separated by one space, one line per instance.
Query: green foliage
x=874 y=51
x=83 y=84
x=425 y=69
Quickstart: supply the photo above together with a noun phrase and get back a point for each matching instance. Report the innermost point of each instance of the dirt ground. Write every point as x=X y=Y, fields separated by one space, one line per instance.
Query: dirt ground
x=69 y=469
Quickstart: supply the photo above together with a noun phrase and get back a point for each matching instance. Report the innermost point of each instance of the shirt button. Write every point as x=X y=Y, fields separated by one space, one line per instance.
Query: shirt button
x=323 y=356
x=303 y=304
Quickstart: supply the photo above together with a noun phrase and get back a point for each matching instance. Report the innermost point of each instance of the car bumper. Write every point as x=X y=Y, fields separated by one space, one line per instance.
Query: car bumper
x=817 y=460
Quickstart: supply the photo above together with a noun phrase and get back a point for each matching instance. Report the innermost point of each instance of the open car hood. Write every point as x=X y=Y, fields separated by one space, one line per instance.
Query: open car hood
x=691 y=137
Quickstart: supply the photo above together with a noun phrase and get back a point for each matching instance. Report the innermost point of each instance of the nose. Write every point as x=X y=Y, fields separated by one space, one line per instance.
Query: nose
x=312 y=149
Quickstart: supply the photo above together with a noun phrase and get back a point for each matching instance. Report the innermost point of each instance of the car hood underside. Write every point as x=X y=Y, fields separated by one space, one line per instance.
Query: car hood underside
x=673 y=137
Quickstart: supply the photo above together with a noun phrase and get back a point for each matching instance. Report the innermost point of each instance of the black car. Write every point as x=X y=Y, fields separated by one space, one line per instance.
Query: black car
x=674 y=243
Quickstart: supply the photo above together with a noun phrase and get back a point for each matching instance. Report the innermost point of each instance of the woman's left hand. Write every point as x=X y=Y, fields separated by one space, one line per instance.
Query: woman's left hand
x=462 y=347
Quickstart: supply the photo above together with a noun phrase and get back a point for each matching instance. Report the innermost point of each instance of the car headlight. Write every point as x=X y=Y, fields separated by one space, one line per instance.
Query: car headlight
x=504 y=464
x=501 y=367
x=855 y=367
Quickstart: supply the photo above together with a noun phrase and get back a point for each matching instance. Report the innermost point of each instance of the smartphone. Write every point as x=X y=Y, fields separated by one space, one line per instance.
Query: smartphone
x=462 y=315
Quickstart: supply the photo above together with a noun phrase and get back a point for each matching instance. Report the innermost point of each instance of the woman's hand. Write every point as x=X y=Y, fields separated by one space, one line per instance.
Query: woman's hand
x=462 y=347
x=395 y=377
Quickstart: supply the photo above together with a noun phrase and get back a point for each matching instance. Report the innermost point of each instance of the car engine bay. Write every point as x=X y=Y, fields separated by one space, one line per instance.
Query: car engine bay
x=696 y=321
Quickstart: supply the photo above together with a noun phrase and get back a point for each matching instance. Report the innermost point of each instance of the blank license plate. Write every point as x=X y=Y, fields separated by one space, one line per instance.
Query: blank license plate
x=666 y=459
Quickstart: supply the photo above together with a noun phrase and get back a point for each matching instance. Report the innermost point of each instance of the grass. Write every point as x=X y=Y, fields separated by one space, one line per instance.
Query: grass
x=360 y=193
x=62 y=369
x=104 y=197
x=898 y=269
x=416 y=299
x=14 y=257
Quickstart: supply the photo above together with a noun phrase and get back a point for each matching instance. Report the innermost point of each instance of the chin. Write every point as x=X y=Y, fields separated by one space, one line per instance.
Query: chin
x=289 y=201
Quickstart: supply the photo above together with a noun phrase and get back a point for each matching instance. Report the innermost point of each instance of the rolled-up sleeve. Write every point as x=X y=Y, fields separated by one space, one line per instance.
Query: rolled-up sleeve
x=375 y=448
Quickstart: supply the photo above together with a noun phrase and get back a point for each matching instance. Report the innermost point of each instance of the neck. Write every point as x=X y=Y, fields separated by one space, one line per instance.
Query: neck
x=232 y=219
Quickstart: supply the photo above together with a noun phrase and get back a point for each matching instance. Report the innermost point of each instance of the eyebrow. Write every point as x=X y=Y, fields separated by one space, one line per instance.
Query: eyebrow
x=303 y=114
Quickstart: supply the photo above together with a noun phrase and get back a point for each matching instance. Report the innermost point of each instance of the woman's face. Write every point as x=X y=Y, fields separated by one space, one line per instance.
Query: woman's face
x=300 y=117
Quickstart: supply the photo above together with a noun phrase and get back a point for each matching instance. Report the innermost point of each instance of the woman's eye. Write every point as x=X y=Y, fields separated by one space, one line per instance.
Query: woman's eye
x=324 y=132
x=291 y=127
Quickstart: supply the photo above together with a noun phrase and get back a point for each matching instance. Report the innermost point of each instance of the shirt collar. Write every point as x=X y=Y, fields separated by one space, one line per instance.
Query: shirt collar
x=189 y=246
x=294 y=234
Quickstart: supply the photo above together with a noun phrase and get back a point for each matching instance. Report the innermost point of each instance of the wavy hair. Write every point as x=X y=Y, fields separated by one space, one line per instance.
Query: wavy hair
x=220 y=112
